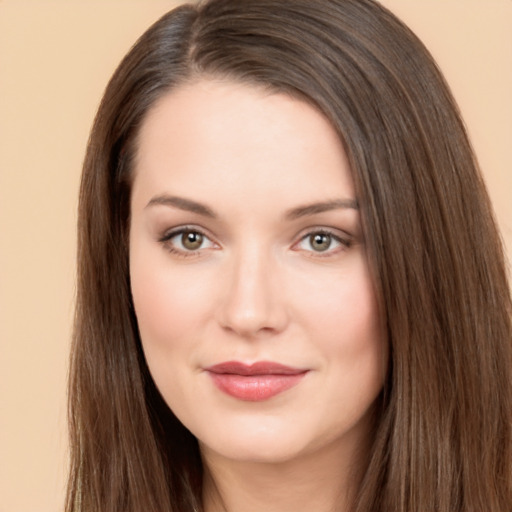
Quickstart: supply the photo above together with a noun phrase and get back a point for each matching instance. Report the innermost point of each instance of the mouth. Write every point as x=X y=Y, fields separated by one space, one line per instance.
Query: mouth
x=256 y=382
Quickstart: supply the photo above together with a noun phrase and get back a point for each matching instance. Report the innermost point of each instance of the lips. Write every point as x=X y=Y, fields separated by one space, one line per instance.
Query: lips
x=256 y=382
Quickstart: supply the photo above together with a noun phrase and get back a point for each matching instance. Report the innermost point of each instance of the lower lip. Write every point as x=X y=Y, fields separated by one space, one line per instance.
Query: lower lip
x=255 y=388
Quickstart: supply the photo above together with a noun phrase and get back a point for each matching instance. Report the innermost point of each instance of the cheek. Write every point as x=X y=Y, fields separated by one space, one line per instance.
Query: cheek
x=342 y=306
x=169 y=303
x=171 y=310
x=344 y=319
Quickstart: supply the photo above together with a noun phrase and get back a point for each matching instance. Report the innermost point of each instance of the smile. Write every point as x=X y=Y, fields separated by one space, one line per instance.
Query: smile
x=254 y=383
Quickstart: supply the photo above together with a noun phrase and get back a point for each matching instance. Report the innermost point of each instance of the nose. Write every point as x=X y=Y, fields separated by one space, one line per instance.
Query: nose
x=253 y=301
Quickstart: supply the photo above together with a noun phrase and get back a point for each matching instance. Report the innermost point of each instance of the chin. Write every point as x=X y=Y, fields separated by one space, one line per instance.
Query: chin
x=273 y=443
x=256 y=451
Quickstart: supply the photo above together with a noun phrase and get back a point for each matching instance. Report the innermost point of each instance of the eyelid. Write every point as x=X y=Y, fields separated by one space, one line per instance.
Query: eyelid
x=342 y=237
x=178 y=230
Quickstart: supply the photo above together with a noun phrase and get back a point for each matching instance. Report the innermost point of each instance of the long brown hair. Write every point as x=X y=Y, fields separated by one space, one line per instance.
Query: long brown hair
x=443 y=439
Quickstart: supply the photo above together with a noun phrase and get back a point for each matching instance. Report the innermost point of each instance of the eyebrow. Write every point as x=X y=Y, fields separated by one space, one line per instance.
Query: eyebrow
x=314 y=208
x=292 y=214
x=183 y=204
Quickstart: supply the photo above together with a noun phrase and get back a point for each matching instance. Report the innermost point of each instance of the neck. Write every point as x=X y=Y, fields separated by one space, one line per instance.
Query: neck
x=323 y=482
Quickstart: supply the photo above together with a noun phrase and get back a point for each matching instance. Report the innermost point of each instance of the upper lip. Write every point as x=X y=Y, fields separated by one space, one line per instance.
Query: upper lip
x=257 y=368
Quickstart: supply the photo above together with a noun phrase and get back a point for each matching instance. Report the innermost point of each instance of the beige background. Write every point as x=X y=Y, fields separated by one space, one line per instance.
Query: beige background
x=55 y=59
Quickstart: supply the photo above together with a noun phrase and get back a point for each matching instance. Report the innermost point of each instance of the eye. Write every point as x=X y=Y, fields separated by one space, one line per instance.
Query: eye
x=191 y=240
x=186 y=240
x=322 y=242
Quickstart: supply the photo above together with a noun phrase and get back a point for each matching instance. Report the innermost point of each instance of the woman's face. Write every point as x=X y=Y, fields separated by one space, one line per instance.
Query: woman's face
x=249 y=276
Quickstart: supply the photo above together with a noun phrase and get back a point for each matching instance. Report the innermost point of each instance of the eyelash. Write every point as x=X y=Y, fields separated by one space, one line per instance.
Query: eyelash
x=345 y=242
x=183 y=253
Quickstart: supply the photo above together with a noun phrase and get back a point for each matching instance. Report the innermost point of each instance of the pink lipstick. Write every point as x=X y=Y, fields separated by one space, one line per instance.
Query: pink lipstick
x=256 y=382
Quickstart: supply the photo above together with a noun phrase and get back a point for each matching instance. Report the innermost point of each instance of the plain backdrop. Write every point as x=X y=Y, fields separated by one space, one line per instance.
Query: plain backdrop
x=55 y=59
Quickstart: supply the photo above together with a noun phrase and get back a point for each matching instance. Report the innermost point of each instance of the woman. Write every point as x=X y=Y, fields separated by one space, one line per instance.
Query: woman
x=291 y=290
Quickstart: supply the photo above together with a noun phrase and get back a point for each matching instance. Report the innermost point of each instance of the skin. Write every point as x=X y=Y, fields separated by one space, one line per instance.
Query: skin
x=258 y=287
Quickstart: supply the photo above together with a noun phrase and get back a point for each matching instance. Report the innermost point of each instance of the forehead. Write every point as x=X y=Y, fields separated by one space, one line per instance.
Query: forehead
x=218 y=138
